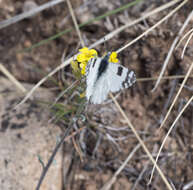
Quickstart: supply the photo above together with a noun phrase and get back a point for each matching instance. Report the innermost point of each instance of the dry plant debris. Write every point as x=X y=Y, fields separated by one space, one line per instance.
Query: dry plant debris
x=99 y=150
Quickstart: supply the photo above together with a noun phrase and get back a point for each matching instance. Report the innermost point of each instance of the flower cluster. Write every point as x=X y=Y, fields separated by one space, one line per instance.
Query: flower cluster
x=113 y=57
x=83 y=58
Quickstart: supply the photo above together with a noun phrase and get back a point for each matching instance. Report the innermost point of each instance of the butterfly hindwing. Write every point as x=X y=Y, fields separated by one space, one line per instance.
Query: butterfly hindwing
x=119 y=77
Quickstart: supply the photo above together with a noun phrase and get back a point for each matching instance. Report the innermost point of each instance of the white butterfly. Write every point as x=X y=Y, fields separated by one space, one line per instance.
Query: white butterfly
x=103 y=77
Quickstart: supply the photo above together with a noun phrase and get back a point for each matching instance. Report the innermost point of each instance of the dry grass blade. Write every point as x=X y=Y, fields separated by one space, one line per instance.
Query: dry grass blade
x=141 y=143
x=118 y=30
x=74 y=134
x=27 y=14
x=185 y=35
x=12 y=79
x=75 y=22
x=165 y=138
x=67 y=62
x=140 y=176
x=163 y=78
x=77 y=148
x=63 y=92
x=64 y=64
x=109 y=184
x=176 y=97
x=186 y=44
x=188 y=186
x=154 y=26
x=172 y=49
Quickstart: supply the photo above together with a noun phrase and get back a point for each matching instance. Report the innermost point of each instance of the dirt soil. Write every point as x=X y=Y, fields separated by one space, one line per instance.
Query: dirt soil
x=89 y=159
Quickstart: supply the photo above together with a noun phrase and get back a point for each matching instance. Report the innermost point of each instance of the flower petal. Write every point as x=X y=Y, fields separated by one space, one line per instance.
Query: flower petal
x=113 y=57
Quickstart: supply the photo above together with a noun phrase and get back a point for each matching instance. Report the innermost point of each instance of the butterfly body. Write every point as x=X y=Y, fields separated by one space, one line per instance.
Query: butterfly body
x=103 y=77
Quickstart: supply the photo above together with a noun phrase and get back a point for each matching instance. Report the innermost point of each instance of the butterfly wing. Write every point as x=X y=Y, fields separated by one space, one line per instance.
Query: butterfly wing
x=101 y=90
x=115 y=78
x=119 y=77
x=91 y=75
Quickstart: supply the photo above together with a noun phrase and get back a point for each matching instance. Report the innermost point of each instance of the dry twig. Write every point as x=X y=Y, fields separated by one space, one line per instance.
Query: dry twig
x=75 y=22
x=27 y=14
x=109 y=184
x=12 y=79
x=177 y=95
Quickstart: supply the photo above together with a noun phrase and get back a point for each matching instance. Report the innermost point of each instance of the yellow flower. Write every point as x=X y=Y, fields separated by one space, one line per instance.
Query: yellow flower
x=82 y=95
x=83 y=67
x=75 y=69
x=84 y=50
x=113 y=57
x=83 y=58
x=86 y=54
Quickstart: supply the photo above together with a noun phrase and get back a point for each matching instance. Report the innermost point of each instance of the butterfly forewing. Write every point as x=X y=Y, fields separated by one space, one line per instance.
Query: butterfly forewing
x=100 y=91
x=91 y=75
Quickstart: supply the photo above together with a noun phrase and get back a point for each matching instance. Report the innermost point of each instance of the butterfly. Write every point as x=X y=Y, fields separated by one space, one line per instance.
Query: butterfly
x=103 y=77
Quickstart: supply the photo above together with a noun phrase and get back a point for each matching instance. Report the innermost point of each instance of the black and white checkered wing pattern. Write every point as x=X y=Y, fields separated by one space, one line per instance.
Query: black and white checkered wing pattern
x=119 y=77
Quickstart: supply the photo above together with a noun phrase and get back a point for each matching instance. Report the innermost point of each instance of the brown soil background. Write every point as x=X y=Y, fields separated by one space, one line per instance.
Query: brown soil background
x=27 y=134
